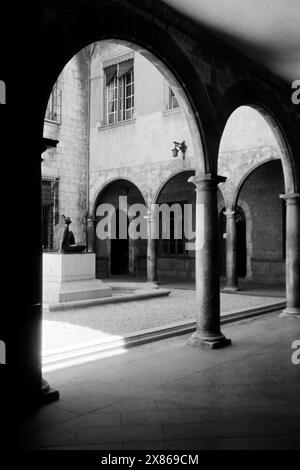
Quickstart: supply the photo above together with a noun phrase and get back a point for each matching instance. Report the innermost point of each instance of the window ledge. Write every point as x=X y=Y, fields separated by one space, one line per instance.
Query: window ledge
x=105 y=127
x=181 y=256
x=49 y=121
x=168 y=112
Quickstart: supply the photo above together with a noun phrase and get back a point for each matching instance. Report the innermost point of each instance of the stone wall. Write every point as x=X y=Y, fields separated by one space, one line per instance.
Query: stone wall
x=69 y=161
x=266 y=210
x=142 y=146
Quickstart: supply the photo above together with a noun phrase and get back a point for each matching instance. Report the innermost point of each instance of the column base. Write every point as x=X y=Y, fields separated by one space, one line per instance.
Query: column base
x=206 y=343
x=290 y=312
x=48 y=394
x=152 y=284
x=230 y=289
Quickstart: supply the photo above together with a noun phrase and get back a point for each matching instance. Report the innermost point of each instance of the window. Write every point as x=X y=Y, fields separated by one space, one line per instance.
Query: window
x=171 y=100
x=49 y=211
x=172 y=246
x=53 y=112
x=119 y=92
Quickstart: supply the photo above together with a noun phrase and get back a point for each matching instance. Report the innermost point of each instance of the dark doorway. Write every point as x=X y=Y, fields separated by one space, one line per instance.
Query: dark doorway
x=222 y=240
x=120 y=249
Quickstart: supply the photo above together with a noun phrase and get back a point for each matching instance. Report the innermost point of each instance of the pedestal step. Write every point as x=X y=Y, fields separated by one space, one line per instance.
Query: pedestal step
x=83 y=290
x=71 y=278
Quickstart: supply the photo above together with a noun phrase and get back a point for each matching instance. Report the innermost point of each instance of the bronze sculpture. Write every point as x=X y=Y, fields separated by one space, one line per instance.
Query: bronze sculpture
x=64 y=240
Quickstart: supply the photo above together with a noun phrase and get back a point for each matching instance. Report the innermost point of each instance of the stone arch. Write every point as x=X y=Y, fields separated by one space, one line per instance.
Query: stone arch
x=252 y=93
x=265 y=234
x=244 y=178
x=118 y=255
x=162 y=185
x=101 y=188
x=120 y=21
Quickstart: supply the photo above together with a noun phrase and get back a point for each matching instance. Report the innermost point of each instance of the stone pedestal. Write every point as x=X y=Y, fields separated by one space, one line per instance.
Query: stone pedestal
x=208 y=333
x=231 y=254
x=292 y=254
x=71 y=277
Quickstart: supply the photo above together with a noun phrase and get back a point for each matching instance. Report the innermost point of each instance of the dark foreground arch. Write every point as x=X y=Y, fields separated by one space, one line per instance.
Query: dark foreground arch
x=94 y=21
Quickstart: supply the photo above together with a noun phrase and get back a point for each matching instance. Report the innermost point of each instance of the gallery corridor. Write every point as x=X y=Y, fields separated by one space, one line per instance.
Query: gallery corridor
x=243 y=397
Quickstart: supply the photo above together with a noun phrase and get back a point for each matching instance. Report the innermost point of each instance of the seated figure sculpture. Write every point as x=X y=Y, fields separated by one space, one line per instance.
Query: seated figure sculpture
x=64 y=240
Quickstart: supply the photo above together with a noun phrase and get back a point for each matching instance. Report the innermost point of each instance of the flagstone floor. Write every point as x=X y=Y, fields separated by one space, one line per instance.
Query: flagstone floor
x=168 y=395
x=73 y=327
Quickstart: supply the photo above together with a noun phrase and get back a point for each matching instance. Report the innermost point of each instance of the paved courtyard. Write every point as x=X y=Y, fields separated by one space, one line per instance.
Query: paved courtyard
x=168 y=395
x=72 y=327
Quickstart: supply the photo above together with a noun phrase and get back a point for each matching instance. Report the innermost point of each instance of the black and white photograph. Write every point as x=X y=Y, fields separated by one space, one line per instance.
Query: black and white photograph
x=150 y=228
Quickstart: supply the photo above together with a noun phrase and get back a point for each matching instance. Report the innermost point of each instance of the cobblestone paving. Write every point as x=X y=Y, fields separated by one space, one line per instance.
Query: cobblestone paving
x=63 y=329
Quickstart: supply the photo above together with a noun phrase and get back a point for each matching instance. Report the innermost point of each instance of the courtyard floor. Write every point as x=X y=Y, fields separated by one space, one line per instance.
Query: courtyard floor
x=168 y=395
x=74 y=327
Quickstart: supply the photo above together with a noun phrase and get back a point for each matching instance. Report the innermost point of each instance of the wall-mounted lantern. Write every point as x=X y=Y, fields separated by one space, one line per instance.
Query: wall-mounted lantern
x=179 y=146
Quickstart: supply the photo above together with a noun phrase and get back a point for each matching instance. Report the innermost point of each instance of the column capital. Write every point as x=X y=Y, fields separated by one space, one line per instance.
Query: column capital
x=291 y=198
x=150 y=211
x=229 y=214
x=207 y=179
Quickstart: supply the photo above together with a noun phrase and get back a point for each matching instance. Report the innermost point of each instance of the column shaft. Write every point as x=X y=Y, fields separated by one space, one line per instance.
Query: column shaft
x=208 y=333
x=231 y=252
x=292 y=254
x=151 y=248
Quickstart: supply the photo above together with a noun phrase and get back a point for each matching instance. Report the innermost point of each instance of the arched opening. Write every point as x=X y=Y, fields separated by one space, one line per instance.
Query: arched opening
x=116 y=111
x=119 y=255
x=267 y=237
x=251 y=140
x=175 y=261
x=123 y=135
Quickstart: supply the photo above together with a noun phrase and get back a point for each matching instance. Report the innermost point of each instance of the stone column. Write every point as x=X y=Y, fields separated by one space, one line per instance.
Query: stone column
x=292 y=254
x=151 y=247
x=208 y=333
x=132 y=251
x=90 y=234
x=231 y=253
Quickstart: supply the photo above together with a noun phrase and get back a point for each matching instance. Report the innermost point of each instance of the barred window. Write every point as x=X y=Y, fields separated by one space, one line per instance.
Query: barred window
x=53 y=112
x=171 y=100
x=172 y=246
x=119 y=92
x=50 y=214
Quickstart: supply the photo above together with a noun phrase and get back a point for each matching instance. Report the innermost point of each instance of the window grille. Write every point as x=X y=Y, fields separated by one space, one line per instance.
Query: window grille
x=53 y=112
x=50 y=214
x=172 y=246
